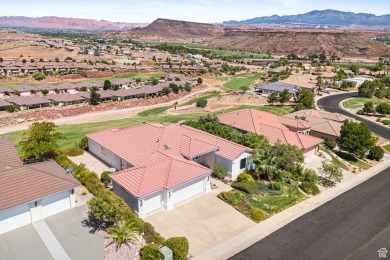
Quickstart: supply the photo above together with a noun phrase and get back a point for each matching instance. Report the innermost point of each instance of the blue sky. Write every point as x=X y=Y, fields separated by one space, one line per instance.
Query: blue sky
x=190 y=10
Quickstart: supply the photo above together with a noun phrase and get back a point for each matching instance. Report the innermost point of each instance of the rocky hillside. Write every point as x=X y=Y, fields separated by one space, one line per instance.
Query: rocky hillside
x=52 y=22
x=306 y=42
x=176 y=30
x=331 y=18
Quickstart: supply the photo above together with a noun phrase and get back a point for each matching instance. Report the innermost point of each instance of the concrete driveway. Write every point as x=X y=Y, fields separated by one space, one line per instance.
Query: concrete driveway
x=26 y=243
x=205 y=220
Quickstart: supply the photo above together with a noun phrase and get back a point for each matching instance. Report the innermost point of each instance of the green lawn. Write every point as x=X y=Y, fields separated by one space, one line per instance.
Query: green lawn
x=194 y=100
x=334 y=159
x=358 y=102
x=387 y=147
x=242 y=80
x=353 y=160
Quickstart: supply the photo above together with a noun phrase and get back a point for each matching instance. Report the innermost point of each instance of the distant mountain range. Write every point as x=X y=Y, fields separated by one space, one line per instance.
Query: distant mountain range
x=52 y=22
x=325 y=17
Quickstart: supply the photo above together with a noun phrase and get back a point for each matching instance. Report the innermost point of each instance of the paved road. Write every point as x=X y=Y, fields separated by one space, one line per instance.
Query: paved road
x=331 y=104
x=353 y=226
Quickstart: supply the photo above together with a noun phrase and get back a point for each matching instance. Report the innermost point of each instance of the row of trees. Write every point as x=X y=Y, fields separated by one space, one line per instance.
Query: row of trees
x=379 y=88
x=382 y=108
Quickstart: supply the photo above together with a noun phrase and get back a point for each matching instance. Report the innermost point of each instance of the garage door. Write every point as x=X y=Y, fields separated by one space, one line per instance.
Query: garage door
x=151 y=203
x=55 y=203
x=14 y=218
x=188 y=191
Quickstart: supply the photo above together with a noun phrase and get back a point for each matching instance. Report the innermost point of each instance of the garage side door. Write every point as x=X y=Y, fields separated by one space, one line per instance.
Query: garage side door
x=188 y=191
x=151 y=203
x=55 y=203
x=14 y=218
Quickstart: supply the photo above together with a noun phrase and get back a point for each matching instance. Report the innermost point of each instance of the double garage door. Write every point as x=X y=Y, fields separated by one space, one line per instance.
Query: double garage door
x=188 y=191
x=27 y=213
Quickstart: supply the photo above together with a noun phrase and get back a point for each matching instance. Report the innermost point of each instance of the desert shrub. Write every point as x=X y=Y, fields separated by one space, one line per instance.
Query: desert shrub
x=386 y=122
x=150 y=252
x=219 y=171
x=201 y=103
x=309 y=188
x=376 y=153
x=248 y=187
x=104 y=178
x=274 y=185
x=245 y=177
x=179 y=246
x=83 y=144
x=331 y=144
x=10 y=108
x=360 y=112
x=257 y=215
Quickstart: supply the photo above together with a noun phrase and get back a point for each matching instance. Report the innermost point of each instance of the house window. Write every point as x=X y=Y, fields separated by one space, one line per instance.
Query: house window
x=243 y=163
x=103 y=150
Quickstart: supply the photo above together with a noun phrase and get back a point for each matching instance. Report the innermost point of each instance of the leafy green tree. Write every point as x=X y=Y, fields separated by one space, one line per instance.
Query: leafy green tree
x=331 y=172
x=355 y=138
x=107 y=85
x=320 y=82
x=10 y=108
x=57 y=59
x=39 y=76
x=166 y=91
x=284 y=96
x=367 y=89
x=104 y=210
x=24 y=61
x=94 y=97
x=199 y=80
x=1 y=60
x=40 y=141
x=344 y=85
x=287 y=156
x=123 y=232
x=369 y=108
x=354 y=68
x=376 y=153
x=274 y=97
x=155 y=81
x=201 y=103
x=174 y=87
x=383 y=108
x=305 y=99
x=187 y=87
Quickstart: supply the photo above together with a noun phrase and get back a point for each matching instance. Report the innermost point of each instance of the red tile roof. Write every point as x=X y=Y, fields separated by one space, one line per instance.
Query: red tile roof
x=159 y=171
x=274 y=128
x=24 y=183
x=178 y=140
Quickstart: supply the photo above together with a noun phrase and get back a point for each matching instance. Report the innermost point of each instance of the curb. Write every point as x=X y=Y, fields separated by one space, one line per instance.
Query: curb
x=252 y=235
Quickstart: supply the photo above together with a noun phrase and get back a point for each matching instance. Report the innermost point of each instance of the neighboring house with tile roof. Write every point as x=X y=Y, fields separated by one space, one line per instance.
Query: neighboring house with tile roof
x=324 y=125
x=275 y=128
x=162 y=166
x=31 y=192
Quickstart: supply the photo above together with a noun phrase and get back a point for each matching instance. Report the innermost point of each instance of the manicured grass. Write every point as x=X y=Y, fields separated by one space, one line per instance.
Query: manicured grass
x=242 y=80
x=353 y=160
x=193 y=101
x=358 y=102
x=387 y=147
x=334 y=159
x=154 y=111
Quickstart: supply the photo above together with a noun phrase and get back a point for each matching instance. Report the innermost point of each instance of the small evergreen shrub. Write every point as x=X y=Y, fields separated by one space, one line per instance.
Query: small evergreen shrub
x=219 y=171
x=179 y=246
x=376 y=153
x=104 y=178
x=331 y=144
x=150 y=252
x=257 y=215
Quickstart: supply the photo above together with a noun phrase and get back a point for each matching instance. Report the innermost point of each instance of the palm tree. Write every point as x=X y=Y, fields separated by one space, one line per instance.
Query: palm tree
x=123 y=232
x=265 y=163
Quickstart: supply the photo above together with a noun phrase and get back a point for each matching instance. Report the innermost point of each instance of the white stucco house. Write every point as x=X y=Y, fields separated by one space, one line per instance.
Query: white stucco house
x=32 y=192
x=162 y=166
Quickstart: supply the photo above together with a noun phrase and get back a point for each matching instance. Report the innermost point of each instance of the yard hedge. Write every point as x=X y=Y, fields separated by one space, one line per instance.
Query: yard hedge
x=245 y=177
x=150 y=252
x=179 y=246
x=91 y=181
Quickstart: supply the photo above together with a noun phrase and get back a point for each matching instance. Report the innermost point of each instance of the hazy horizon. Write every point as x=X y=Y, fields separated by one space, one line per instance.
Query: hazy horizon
x=210 y=11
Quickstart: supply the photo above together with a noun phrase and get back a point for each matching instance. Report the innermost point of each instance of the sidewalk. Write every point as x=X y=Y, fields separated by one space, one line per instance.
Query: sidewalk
x=250 y=236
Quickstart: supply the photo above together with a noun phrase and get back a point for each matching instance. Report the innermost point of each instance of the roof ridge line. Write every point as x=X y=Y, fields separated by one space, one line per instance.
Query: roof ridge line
x=48 y=173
